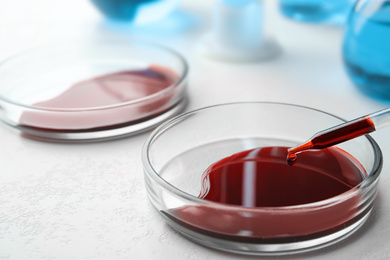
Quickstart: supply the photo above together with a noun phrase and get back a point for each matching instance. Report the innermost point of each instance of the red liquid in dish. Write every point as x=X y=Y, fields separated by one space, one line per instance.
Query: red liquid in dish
x=262 y=178
x=333 y=136
x=114 y=90
x=258 y=179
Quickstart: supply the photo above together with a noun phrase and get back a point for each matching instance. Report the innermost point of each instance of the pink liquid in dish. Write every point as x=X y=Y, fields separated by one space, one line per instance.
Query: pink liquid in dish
x=106 y=101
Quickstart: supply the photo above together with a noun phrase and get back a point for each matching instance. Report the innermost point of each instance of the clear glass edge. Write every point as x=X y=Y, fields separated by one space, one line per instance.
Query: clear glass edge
x=373 y=176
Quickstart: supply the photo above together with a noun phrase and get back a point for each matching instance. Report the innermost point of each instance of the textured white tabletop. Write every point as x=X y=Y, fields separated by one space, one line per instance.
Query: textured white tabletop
x=88 y=201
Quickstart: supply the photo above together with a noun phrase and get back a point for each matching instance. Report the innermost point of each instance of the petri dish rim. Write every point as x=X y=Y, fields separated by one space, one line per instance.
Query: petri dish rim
x=144 y=43
x=372 y=177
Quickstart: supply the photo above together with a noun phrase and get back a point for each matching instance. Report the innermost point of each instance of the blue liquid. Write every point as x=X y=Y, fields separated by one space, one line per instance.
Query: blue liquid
x=317 y=11
x=366 y=50
x=135 y=11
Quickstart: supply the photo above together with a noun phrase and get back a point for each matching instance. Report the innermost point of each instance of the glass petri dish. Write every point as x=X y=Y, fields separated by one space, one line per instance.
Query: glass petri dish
x=179 y=151
x=88 y=91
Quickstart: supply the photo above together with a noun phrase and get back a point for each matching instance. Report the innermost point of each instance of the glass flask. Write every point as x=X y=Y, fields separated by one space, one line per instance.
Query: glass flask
x=317 y=11
x=366 y=48
x=136 y=11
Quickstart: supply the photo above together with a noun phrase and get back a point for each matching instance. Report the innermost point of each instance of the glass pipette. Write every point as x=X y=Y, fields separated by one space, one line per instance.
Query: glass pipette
x=341 y=133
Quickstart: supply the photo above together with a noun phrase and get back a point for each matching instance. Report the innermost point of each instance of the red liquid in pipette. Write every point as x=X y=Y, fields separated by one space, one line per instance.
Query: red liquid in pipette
x=336 y=135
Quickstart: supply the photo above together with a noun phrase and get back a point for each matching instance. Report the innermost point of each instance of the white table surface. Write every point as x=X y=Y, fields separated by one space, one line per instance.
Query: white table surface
x=88 y=201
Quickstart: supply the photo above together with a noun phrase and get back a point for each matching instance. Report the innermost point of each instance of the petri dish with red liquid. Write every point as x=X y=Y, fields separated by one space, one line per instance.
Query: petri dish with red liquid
x=224 y=181
x=89 y=91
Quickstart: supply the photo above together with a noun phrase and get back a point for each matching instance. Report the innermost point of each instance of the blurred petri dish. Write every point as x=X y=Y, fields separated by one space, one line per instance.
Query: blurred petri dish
x=88 y=91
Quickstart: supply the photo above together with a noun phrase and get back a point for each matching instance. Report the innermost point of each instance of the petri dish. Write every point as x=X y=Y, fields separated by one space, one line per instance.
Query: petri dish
x=88 y=91
x=200 y=138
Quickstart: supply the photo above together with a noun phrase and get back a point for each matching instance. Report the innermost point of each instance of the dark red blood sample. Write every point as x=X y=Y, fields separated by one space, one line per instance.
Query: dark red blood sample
x=260 y=179
x=333 y=136
x=114 y=90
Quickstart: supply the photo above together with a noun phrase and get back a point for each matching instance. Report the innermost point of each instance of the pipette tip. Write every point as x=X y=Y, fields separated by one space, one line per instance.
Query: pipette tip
x=293 y=151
